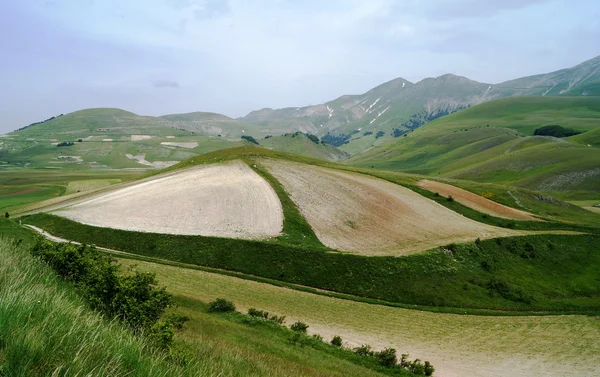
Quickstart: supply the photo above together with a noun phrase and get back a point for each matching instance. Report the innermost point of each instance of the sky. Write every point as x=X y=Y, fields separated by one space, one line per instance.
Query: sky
x=157 y=57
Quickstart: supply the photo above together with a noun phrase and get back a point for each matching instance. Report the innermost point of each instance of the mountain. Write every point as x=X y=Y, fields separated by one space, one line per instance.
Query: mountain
x=494 y=142
x=359 y=122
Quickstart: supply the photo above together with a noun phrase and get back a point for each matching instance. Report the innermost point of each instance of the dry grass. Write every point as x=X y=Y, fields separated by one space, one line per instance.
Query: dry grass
x=457 y=345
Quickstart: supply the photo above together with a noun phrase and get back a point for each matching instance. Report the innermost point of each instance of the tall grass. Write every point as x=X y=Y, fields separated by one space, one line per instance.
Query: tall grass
x=47 y=330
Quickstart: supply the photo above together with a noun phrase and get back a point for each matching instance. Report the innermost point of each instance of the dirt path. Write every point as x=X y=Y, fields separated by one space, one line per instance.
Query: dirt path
x=361 y=214
x=476 y=202
x=222 y=200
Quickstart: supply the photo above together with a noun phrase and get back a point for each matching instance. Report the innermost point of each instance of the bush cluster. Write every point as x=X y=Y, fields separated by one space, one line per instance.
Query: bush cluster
x=132 y=298
x=221 y=305
x=65 y=144
x=256 y=313
x=250 y=139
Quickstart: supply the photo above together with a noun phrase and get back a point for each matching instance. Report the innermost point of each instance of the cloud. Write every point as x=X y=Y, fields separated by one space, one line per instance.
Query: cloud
x=165 y=84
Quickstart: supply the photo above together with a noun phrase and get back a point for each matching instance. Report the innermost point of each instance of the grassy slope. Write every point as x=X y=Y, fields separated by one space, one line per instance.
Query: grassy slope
x=21 y=187
x=478 y=345
x=64 y=335
x=298 y=143
x=486 y=143
x=463 y=278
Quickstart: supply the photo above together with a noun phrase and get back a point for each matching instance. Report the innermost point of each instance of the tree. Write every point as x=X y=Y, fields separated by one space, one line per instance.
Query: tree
x=299 y=327
x=6 y=214
x=336 y=341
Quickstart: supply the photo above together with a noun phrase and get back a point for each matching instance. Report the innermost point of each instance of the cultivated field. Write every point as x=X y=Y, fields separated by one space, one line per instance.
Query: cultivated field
x=457 y=345
x=223 y=200
x=477 y=202
x=357 y=213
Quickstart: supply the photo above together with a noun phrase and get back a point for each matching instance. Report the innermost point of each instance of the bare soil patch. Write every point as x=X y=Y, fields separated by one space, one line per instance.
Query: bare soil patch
x=140 y=137
x=476 y=202
x=222 y=200
x=356 y=213
x=141 y=158
x=189 y=145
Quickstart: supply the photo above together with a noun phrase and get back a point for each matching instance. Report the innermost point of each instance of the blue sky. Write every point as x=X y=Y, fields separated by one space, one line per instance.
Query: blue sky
x=156 y=57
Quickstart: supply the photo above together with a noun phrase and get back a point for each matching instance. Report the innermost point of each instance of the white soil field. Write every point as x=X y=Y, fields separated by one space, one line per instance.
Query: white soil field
x=141 y=158
x=189 y=145
x=476 y=202
x=356 y=213
x=222 y=200
x=140 y=137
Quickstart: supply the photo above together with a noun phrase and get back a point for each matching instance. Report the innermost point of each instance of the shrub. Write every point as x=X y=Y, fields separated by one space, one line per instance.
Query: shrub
x=258 y=313
x=6 y=214
x=221 y=305
x=65 y=144
x=299 y=327
x=404 y=363
x=368 y=133
x=379 y=134
x=317 y=337
x=336 y=341
x=429 y=369
x=387 y=357
x=250 y=139
x=450 y=198
x=364 y=350
x=277 y=319
x=313 y=138
x=417 y=367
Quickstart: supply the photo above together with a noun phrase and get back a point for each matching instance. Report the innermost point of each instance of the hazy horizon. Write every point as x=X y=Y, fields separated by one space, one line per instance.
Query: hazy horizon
x=232 y=57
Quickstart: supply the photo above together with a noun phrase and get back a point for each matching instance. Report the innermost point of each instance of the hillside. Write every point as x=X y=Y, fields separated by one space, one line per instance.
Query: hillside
x=493 y=142
x=300 y=144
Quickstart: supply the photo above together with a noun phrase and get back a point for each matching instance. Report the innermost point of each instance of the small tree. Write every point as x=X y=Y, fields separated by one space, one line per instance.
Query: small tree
x=336 y=341
x=6 y=214
x=299 y=327
x=387 y=357
x=221 y=305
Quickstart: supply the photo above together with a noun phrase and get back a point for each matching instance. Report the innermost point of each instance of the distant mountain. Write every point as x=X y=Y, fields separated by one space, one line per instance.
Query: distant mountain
x=399 y=106
x=354 y=123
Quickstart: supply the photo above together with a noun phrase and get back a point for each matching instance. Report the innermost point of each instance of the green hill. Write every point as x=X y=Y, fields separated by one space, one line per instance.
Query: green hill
x=492 y=142
x=301 y=144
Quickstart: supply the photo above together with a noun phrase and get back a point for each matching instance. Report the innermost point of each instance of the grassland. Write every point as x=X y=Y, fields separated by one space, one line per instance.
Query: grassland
x=66 y=338
x=492 y=143
x=457 y=345
x=513 y=273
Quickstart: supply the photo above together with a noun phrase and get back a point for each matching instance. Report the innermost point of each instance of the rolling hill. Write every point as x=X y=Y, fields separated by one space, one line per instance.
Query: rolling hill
x=494 y=142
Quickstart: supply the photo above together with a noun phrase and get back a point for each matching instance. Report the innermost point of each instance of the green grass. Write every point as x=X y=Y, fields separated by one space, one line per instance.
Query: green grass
x=492 y=143
x=295 y=228
x=455 y=344
x=434 y=278
x=22 y=187
x=46 y=329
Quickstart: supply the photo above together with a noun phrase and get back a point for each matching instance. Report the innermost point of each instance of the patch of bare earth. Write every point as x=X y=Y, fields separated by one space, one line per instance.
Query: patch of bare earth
x=222 y=200
x=476 y=202
x=189 y=145
x=356 y=213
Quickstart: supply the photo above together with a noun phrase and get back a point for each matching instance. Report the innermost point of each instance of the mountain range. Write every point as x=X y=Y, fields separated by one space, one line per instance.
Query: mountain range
x=354 y=123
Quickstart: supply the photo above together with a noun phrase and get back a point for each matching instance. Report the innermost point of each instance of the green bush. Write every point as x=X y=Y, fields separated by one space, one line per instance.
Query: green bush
x=429 y=369
x=221 y=305
x=337 y=341
x=299 y=327
x=277 y=319
x=252 y=312
x=387 y=357
x=364 y=350
x=250 y=139
x=134 y=298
